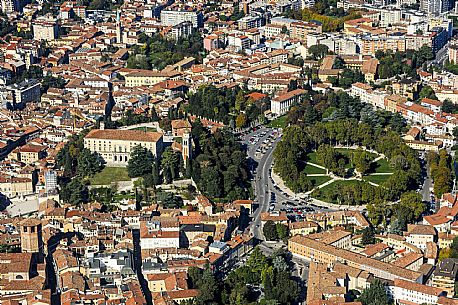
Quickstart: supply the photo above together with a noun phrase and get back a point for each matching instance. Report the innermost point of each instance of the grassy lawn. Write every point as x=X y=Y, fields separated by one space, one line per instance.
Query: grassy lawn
x=326 y=192
x=279 y=122
x=349 y=153
x=110 y=174
x=377 y=179
x=319 y=180
x=149 y=129
x=118 y=197
x=310 y=169
x=311 y=157
x=382 y=166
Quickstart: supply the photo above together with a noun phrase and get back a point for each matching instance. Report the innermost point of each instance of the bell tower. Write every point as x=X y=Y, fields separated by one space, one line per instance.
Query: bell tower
x=31 y=235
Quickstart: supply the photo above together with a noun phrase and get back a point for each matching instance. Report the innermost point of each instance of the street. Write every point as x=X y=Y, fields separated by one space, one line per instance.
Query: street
x=263 y=185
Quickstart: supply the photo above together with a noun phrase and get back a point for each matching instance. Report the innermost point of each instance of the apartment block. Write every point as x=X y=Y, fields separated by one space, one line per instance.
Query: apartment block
x=172 y=17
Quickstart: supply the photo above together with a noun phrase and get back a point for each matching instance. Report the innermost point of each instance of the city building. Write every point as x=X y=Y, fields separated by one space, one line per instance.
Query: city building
x=319 y=252
x=405 y=292
x=445 y=275
x=46 y=30
x=10 y=6
x=24 y=92
x=175 y=17
x=15 y=186
x=280 y=105
x=115 y=146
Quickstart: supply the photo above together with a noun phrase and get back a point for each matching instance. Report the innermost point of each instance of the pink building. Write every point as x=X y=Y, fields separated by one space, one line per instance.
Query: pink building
x=211 y=42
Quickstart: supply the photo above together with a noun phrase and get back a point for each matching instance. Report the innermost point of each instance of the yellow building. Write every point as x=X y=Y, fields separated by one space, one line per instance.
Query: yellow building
x=138 y=78
x=371 y=45
x=303 y=228
x=15 y=186
x=319 y=252
x=29 y=153
x=159 y=282
x=115 y=146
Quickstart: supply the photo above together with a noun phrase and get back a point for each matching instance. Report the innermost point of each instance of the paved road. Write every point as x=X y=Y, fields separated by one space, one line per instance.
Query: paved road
x=262 y=183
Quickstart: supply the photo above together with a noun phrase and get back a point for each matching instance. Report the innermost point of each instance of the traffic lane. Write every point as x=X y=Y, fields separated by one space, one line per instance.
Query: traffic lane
x=263 y=142
x=262 y=188
x=257 y=135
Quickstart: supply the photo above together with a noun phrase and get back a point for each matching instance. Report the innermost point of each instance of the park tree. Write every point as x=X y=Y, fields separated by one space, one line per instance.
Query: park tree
x=208 y=287
x=286 y=290
x=257 y=261
x=75 y=192
x=89 y=163
x=169 y=200
x=375 y=294
x=454 y=248
x=331 y=159
x=362 y=161
x=140 y=162
x=455 y=133
x=195 y=276
x=170 y=163
x=441 y=172
x=241 y=120
x=270 y=230
x=449 y=107
x=413 y=202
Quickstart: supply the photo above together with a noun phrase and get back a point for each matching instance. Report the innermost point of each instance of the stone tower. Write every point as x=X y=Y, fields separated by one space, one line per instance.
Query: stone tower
x=186 y=147
x=31 y=235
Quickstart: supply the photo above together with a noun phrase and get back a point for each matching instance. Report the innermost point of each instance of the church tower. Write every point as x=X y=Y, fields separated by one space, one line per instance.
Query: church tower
x=186 y=147
x=118 y=27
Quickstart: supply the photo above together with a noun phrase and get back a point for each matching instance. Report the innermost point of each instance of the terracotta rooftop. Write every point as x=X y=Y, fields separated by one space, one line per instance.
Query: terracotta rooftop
x=124 y=135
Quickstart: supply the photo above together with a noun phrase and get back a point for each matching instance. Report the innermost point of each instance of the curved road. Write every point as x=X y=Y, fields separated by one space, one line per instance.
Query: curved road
x=262 y=186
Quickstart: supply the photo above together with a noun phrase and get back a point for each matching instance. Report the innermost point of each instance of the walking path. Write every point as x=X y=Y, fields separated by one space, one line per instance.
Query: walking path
x=380 y=174
x=316 y=165
x=279 y=182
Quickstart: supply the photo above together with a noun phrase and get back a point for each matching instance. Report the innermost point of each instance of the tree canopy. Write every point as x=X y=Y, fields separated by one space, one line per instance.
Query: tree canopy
x=140 y=162
x=375 y=294
x=219 y=166
x=157 y=52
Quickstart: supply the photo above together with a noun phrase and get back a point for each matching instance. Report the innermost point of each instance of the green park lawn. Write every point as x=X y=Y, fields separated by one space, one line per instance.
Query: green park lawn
x=279 y=122
x=382 y=166
x=377 y=179
x=316 y=181
x=110 y=174
x=310 y=170
x=331 y=189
